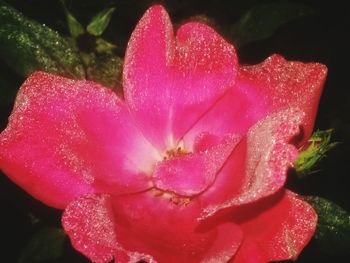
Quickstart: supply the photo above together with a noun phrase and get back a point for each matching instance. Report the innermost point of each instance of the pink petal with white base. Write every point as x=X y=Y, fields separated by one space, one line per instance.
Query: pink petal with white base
x=190 y=174
x=169 y=83
x=67 y=138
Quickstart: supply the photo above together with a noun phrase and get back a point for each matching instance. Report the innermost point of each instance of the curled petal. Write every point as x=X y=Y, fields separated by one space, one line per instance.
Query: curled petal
x=259 y=164
x=191 y=174
x=67 y=138
x=291 y=83
x=277 y=228
x=170 y=82
x=262 y=89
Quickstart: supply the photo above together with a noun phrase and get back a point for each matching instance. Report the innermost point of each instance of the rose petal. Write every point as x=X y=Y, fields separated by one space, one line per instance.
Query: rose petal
x=248 y=252
x=66 y=138
x=170 y=83
x=259 y=164
x=191 y=174
x=262 y=89
x=89 y=223
x=165 y=227
x=279 y=227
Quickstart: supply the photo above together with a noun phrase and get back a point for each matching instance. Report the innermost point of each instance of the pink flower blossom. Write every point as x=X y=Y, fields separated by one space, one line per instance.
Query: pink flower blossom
x=189 y=167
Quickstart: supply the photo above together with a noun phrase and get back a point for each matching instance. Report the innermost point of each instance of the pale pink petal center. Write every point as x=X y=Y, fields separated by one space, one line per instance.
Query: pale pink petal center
x=190 y=174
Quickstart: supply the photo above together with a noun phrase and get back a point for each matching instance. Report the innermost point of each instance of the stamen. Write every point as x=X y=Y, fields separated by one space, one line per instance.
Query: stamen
x=172 y=153
x=171 y=197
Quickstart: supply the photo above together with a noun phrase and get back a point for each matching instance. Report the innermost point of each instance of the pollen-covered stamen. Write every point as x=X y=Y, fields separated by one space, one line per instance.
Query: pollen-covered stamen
x=171 y=197
x=175 y=152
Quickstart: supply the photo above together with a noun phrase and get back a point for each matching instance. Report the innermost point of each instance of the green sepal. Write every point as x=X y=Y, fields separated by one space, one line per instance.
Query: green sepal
x=333 y=226
x=75 y=28
x=103 y=46
x=318 y=145
x=99 y=22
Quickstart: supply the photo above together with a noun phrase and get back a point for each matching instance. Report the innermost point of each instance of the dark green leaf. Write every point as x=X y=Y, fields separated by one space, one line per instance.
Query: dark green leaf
x=318 y=145
x=263 y=20
x=333 y=227
x=45 y=245
x=99 y=23
x=28 y=46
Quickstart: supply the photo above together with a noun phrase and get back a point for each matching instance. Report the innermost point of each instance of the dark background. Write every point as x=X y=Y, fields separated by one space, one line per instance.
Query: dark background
x=321 y=37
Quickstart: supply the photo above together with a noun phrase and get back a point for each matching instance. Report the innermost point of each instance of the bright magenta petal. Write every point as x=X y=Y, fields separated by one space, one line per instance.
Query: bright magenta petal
x=191 y=174
x=165 y=227
x=89 y=223
x=259 y=164
x=169 y=83
x=262 y=89
x=279 y=227
x=248 y=252
x=67 y=138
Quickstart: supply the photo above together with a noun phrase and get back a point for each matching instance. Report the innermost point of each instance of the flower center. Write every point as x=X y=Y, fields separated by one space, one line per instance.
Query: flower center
x=171 y=197
x=175 y=152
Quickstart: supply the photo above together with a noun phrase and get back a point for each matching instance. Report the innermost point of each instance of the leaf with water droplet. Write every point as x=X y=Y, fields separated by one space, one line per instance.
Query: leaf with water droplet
x=28 y=46
x=99 y=23
x=333 y=226
x=261 y=21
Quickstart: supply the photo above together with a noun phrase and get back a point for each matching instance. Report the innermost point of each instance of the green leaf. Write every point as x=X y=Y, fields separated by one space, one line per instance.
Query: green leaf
x=45 y=245
x=318 y=145
x=263 y=20
x=333 y=227
x=99 y=23
x=75 y=28
x=105 y=69
x=27 y=46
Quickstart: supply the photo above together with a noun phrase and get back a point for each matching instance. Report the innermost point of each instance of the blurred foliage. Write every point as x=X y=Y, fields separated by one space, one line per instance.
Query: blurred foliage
x=261 y=21
x=27 y=46
x=45 y=245
x=106 y=69
x=333 y=226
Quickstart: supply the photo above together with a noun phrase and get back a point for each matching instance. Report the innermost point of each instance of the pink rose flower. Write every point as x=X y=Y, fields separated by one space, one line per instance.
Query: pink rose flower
x=188 y=167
